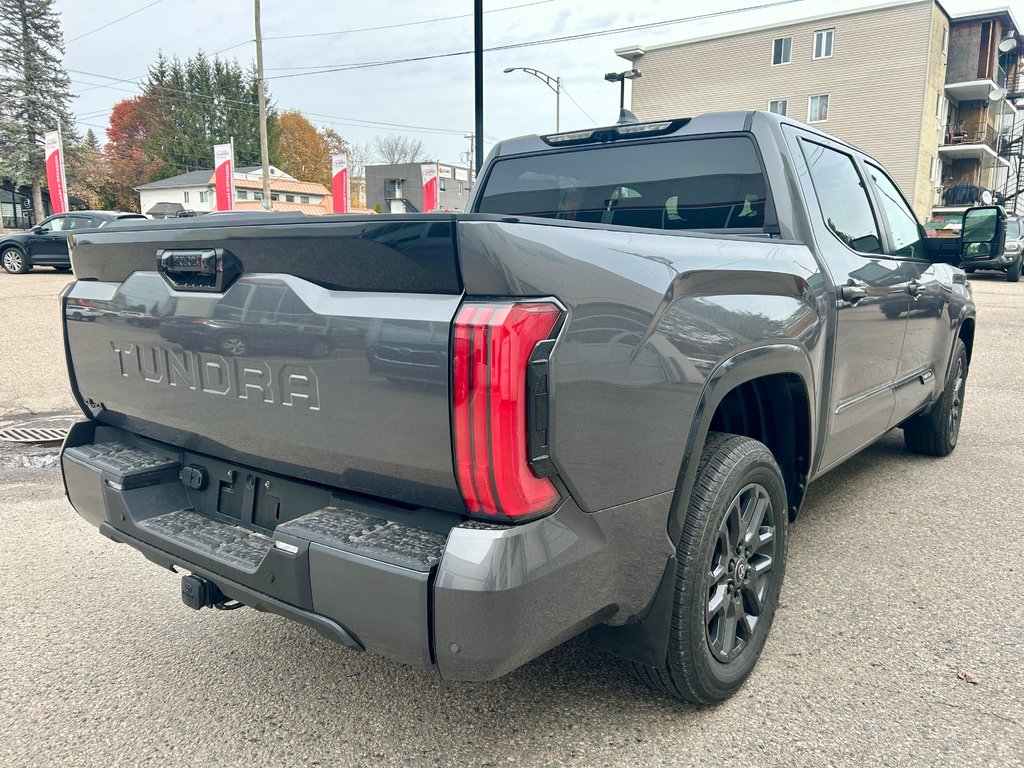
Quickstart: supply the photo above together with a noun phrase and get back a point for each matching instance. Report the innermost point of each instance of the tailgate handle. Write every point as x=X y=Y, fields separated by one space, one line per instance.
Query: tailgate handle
x=198 y=269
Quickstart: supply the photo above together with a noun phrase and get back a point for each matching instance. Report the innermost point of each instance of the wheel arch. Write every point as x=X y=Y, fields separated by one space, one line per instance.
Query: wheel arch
x=752 y=380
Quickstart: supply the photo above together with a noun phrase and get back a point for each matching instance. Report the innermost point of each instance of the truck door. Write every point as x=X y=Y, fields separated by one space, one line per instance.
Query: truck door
x=870 y=297
x=922 y=365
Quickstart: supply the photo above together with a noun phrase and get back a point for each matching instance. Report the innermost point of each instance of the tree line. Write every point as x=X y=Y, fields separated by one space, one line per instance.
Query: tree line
x=183 y=109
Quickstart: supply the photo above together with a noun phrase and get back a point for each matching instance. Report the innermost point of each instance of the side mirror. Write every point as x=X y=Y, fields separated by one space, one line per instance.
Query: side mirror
x=983 y=232
x=38 y=230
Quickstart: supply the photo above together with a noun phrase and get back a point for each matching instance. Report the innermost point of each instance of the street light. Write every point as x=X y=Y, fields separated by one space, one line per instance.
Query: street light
x=621 y=78
x=554 y=83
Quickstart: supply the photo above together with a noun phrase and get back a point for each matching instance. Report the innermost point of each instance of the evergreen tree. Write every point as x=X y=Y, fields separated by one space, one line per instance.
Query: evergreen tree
x=200 y=102
x=35 y=91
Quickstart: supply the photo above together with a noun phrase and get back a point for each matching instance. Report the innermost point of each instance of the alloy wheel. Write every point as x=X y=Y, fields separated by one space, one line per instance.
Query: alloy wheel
x=740 y=572
x=12 y=260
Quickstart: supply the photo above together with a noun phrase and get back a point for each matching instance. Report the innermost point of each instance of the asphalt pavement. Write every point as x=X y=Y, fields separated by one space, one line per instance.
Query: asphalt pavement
x=898 y=641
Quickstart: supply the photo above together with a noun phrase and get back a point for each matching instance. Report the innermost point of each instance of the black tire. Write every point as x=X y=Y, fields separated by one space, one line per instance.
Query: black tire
x=936 y=433
x=703 y=665
x=14 y=260
x=62 y=269
x=232 y=345
x=1013 y=271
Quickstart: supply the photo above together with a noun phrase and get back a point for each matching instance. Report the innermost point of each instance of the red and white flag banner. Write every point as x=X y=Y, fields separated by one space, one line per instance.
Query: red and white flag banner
x=224 y=176
x=429 y=187
x=339 y=183
x=55 y=180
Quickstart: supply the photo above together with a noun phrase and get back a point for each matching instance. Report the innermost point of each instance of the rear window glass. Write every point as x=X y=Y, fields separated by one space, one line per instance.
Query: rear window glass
x=706 y=184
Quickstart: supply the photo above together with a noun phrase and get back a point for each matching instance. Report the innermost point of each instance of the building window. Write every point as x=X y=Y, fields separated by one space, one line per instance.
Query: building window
x=933 y=171
x=304 y=198
x=257 y=195
x=289 y=198
x=186 y=197
x=462 y=187
x=945 y=40
x=779 y=106
x=782 y=50
x=823 y=43
x=274 y=196
x=440 y=184
x=204 y=196
x=817 y=109
x=242 y=195
x=938 y=103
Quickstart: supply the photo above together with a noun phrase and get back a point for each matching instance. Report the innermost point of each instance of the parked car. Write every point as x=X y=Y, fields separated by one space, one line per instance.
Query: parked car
x=46 y=245
x=980 y=256
x=653 y=337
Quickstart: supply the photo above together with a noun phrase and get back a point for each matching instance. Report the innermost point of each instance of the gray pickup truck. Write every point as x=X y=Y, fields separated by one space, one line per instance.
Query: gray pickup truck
x=591 y=404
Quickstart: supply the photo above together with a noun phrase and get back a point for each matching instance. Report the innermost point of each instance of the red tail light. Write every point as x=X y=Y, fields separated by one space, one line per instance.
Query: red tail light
x=493 y=344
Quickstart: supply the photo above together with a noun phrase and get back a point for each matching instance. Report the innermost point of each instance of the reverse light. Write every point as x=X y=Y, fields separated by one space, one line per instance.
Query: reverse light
x=492 y=351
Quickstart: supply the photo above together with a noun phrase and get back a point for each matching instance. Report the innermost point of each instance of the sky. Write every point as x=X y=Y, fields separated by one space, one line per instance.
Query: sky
x=431 y=100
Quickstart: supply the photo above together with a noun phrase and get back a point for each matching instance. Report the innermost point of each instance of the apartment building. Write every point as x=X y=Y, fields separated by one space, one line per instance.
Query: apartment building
x=901 y=79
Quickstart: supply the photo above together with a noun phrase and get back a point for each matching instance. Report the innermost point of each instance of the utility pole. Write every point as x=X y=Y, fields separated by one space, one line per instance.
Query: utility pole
x=262 y=93
x=471 y=155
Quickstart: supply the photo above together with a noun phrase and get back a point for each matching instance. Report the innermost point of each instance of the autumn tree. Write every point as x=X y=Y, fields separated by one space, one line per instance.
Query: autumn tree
x=393 y=149
x=129 y=153
x=302 y=151
x=35 y=92
x=88 y=173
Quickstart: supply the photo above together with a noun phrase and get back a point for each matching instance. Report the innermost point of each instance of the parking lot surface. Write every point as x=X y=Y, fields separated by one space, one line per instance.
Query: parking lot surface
x=898 y=641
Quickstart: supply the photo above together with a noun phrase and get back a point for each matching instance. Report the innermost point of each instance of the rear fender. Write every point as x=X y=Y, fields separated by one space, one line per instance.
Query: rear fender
x=646 y=641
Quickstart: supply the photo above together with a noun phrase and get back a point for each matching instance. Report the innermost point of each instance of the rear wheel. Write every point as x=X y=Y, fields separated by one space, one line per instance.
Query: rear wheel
x=731 y=559
x=935 y=433
x=14 y=261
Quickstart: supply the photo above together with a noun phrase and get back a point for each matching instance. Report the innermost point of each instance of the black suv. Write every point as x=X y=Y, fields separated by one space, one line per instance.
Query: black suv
x=46 y=245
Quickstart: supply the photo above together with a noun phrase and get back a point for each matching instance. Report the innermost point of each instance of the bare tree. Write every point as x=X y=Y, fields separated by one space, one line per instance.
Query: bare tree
x=360 y=156
x=399 y=149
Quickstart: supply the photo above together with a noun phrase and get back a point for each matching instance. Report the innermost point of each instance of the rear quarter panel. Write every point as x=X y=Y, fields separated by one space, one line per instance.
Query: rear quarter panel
x=650 y=318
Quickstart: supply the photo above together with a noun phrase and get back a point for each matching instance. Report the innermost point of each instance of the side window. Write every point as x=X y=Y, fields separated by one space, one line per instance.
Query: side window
x=903 y=225
x=843 y=198
x=56 y=224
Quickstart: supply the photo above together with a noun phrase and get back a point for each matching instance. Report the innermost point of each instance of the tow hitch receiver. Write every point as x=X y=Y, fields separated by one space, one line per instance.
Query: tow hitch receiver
x=197 y=592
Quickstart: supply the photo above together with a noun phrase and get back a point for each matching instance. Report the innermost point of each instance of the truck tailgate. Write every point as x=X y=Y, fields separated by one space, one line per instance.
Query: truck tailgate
x=323 y=354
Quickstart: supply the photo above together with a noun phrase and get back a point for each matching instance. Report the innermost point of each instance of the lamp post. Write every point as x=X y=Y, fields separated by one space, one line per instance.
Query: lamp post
x=621 y=78
x=554 y=83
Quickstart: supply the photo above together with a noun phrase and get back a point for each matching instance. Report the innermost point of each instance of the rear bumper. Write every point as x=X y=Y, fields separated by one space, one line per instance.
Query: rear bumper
x=471 y=600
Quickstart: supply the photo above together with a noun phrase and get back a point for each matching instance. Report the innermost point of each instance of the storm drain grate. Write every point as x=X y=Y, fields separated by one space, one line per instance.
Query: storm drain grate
x=49 y=431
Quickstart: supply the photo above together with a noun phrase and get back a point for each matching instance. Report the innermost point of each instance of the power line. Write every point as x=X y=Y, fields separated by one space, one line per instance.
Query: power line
x=526 y=44
x=581 y=109
x=112 y=23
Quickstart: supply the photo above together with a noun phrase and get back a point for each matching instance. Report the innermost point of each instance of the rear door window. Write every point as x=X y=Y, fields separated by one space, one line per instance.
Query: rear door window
x=842 y=197
x=714 y=183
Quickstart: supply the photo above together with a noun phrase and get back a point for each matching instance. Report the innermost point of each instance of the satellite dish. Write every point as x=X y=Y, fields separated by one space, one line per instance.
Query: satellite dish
x=1007 y=45
x=986 y=197
x=997 y=94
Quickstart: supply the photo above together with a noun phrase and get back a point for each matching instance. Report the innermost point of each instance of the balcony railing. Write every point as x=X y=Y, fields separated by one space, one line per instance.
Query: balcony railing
x=960 y=135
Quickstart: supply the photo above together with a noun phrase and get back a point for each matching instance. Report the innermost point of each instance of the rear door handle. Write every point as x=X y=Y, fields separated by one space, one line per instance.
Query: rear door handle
x=916 y=289
x=853 y=291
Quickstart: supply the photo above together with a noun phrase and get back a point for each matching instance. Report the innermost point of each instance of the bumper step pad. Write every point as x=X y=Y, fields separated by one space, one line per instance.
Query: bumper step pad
x=122 y=460
x=231 y=544
x=369 y=536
